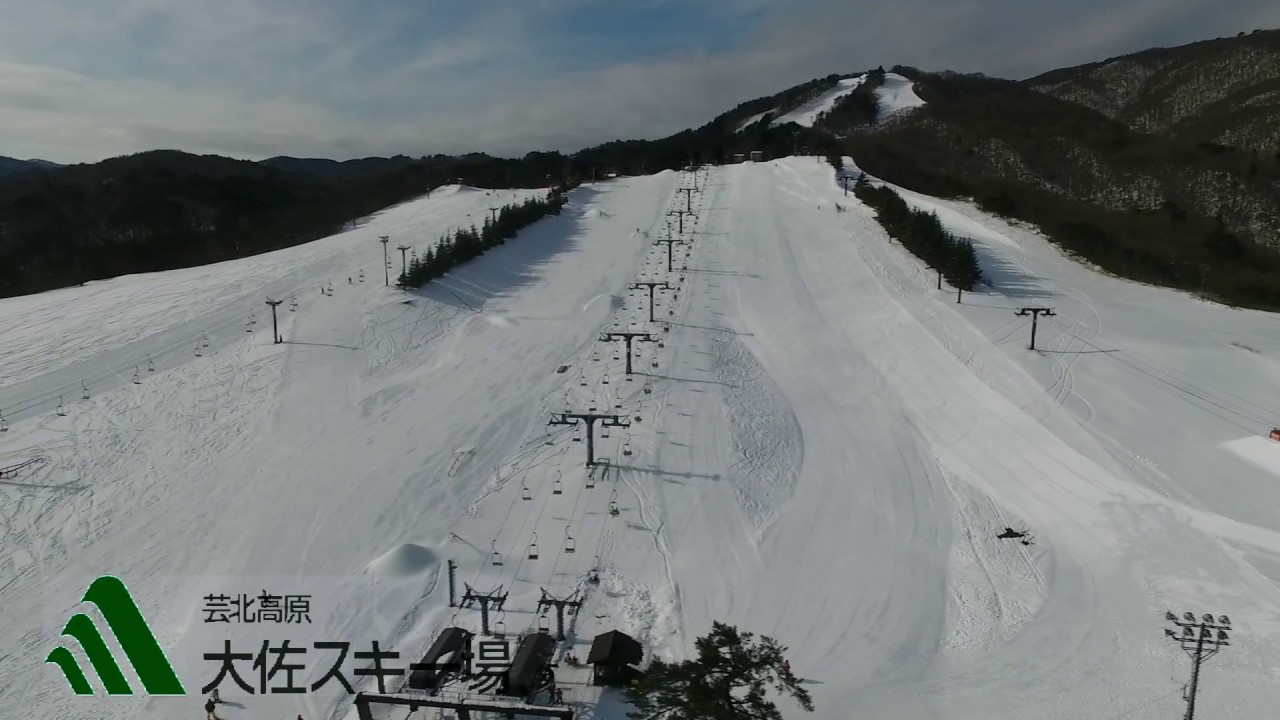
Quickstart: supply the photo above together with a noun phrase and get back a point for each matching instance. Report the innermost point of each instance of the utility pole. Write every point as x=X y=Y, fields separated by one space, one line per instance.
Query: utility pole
x=386 y=270
x=404 y=263
x=548 y=601
x=669 y=242
x=628 y=337
x=1035 y=314
x=275 y=332
x=488 y=601
x=844 y=180
x=1200 y=641
x=453 y=582
x=590 y=420
x=688 y=199
x=651 y=286
x=681 y=213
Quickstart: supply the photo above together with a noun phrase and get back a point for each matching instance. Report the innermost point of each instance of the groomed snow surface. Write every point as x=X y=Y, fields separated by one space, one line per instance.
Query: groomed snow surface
x=824 y=448
x=808 y=113
x=896 y=94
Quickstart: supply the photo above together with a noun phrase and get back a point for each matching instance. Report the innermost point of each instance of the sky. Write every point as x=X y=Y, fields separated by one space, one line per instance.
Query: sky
x=84 y=80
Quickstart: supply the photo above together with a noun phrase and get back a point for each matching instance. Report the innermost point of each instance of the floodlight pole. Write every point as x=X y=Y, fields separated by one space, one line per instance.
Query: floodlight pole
x=386 y=272
x=404 y=262
x=1035 y=314
x=651 y=286
x=1204 y=641
x=275 y=332
x=606 y=420
x=670 y=250
x=628 y=337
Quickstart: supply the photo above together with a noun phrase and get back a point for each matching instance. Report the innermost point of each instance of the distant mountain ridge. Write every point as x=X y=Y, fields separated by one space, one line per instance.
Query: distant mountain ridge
x=1224 y=91
x=1161 y=166
x=13 y=166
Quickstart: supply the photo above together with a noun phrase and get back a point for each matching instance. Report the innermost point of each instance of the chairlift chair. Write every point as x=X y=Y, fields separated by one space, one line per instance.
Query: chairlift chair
x=604 y=431
x=544 y=625
x=4 y=424
x=198 y=350
x=557 y=488
x=85 y=394
x=61 y=411
x=626 y=446
x=499 y=629
x=570 y=545
x=495 y=557
x=613 y=508
x=151 y=366
x=525 y=492
x=136 y=380
x=533 y=548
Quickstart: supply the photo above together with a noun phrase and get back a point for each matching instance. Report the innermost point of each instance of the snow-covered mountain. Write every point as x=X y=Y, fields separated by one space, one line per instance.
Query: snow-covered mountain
x=822 y=447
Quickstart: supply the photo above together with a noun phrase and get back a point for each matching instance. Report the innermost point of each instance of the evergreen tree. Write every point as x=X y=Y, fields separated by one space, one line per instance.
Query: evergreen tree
x=727 y=680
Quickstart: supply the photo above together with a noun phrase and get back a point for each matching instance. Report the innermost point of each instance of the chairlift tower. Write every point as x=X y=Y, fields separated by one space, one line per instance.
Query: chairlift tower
x=670 y=250
x=629 y=336
x=549 y=601
x=488 y=601
x=1035 y=313
x=493 y=214
x=1200 y=641
x=606 y=420
x=404 y=262
x=688 y=198
x=651 y=286
x=275 y=328
x=681 y=214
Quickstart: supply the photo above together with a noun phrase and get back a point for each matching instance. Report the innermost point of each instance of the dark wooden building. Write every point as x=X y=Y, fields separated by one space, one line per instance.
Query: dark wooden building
x=530 y=665
x=612 y=656
x=443 y=658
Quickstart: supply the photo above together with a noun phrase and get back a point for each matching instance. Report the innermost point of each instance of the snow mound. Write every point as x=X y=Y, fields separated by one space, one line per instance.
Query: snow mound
x=808 y=113
x=1259 y=451
x=404 y=561
x=896 y=94
x=594 y=213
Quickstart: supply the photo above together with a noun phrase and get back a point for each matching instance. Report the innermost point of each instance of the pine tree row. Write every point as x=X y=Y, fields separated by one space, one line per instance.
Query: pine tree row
x=923 y=234
x=466 y=244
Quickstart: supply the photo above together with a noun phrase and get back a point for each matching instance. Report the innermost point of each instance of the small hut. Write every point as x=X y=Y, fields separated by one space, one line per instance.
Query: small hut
x=757 y=156
x=1275 y=434
x=611 y=658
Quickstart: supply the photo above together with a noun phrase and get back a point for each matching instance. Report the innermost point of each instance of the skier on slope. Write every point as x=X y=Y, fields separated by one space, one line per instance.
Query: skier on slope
x=786 y=667
x=209 y=705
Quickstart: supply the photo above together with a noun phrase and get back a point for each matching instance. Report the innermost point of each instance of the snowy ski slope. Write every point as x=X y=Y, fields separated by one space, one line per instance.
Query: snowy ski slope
x=896 y=94
x=808 y=113
x=823 y=449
